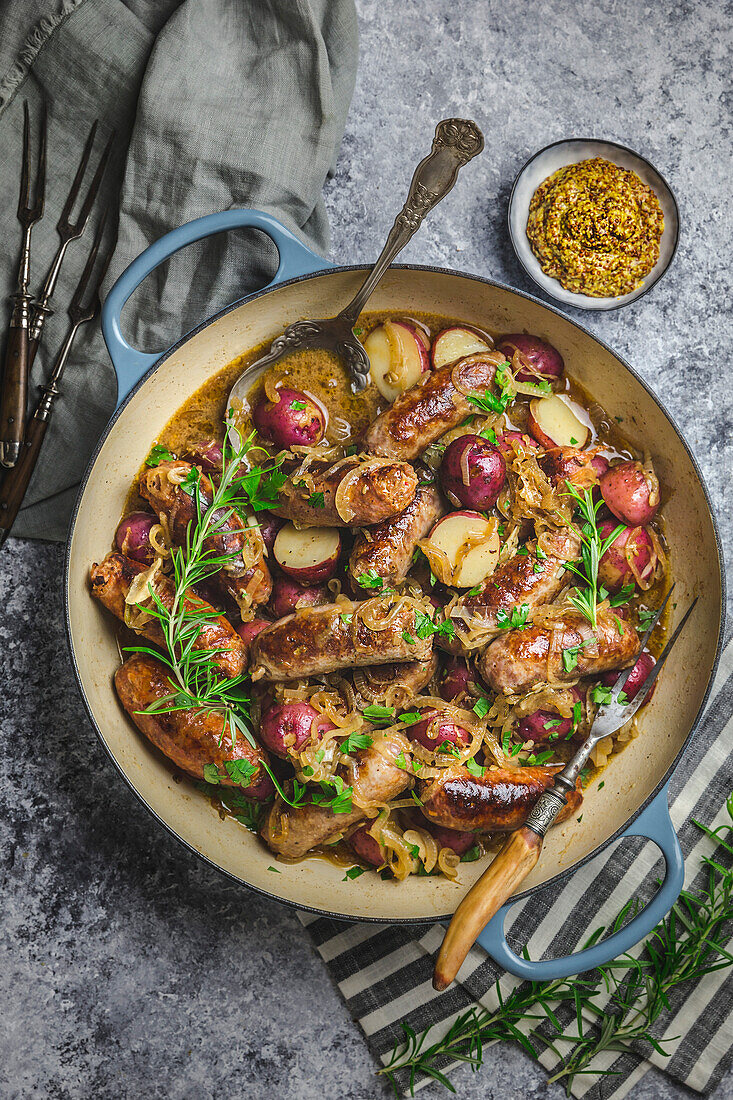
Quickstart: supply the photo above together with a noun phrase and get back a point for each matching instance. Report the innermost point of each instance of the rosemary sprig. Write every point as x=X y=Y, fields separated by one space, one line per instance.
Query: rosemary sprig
x=688 y=944
x=592 y=549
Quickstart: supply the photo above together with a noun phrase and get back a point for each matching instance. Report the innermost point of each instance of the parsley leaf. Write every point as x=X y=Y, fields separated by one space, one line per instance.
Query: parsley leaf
x=410 y=717
x=158 y=454
x=375 y=713
x=408 y=637
x=356 y=741
x=472 y=854
x=370 y=579
x=298 y=405
x=481 y=706
x=516 y=620
x=352 y=873
x=316 y=500
x=475 y=769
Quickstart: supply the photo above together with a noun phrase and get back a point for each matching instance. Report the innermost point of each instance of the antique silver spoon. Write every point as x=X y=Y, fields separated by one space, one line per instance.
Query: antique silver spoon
x=456 y=141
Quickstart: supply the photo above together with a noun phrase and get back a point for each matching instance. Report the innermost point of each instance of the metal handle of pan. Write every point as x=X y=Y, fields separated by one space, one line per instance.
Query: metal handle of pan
x=295 y=259
x=655 y=824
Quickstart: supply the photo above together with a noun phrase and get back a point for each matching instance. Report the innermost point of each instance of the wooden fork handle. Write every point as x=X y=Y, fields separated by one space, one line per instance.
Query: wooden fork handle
x=497 y=884
x=16 y=481
x=14 y=395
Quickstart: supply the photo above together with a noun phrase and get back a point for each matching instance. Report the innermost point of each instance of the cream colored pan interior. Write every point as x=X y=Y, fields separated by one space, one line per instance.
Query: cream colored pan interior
x=632 y=776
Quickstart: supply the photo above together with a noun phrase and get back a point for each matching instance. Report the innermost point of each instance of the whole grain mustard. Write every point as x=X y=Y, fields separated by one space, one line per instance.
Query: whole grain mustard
x=596 y=228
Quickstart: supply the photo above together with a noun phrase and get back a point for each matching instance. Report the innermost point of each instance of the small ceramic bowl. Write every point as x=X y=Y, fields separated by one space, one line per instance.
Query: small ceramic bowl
x=557 y=155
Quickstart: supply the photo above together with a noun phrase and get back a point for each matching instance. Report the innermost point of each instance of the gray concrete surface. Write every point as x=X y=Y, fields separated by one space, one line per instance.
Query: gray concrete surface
x=128 y=968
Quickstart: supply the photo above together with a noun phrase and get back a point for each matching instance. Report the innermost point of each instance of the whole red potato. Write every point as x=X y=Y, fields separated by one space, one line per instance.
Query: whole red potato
x=296 y=420
x=288 y=595
x=631 y=493
x=132 y=537
x=457 y=839
x=543 y=361
x=207 y=454
x=249 y=631
x=472 y=472
x=630 y=559
x=269 y=526
x=363 y=844
x=457 y=678
x=442 y=730
x=290 y=726
x=636 y=679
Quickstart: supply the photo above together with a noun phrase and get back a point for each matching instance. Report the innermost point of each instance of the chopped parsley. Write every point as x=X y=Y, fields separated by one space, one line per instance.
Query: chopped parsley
x=316 y=500
x=333 y=795
x=407 y=637
x=425 y=627
x=158 y=454
x=370 y=579
x=376 y=713
x=540 y=758
x=352 y=873
x=356 y=741
x=298 y=406
x=471 y=855
x=623 y=595
x=475 y=769
x=602 y=784
x=516 y=620
x=410 y=717
x=601 y=695
x=275 y=869
x=570 y=655
x=240 y=772
x=481 y=706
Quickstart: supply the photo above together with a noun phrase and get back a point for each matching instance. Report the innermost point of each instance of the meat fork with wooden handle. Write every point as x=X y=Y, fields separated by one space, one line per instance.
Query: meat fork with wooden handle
x=80 y=311
x=522 y=850
x=15 y=375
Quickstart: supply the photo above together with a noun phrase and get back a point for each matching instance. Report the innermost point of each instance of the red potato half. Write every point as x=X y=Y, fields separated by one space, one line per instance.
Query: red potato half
x=397 y=357
x=472 y=472
x=636 y=678
x=434 y=729
x=288 y=595
x=288 y=727
x=456 y=343
x=308 y=555
x=555 y=422
x=537 y=360
x=296 y=420
x=630 y=559
x=463 y=548
x=457 y=679
x=631 y=492
x=363 y=845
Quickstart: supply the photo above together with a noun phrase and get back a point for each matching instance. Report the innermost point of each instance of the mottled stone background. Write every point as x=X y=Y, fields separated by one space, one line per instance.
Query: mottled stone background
x=130 y=969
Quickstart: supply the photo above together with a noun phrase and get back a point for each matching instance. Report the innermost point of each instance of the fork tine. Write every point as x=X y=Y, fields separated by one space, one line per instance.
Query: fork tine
x=648 y=683
x=71 y=199
x=40 y=195
x=25 y=174
x=78 y=311
x=94 y=186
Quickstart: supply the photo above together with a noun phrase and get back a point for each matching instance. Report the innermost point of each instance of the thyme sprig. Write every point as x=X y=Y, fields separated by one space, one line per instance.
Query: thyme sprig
x=585 y=598
x=688 y=944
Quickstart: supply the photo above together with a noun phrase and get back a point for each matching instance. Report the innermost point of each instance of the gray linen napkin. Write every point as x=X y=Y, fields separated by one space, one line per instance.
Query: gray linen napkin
x=223 y=103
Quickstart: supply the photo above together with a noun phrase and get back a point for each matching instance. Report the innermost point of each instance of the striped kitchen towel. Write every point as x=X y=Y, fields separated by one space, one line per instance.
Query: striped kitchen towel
x=384 y=971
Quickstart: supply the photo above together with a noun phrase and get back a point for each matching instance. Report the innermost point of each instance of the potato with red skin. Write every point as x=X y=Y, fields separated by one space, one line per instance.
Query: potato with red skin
x=132 y=537
x=288 y=595
x=458 y=840
x=443 y=730
x=269 y=526
x=534 y=727
x=580 y=468
x=457 y=679
x=485 y=467
x=250 y=630
x=207 y=455
x=288 y=727
x=308 y=555
x=505 y=439
x=631 y=493
x=636 y=678
x=365 y=847
x=296 y=420
x=545 y=363
x=630 y=559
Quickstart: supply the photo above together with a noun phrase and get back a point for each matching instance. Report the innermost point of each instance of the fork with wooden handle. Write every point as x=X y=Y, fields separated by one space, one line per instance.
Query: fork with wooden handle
x=522 y=850
x=16 y=481
x=15 y=375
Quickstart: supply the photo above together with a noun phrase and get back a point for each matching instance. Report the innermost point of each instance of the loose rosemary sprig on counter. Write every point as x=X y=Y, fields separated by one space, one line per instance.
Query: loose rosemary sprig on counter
x=688 y=944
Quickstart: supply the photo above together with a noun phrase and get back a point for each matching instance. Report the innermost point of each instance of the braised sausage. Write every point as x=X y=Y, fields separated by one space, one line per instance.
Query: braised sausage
x=316 y=640
x=497 y=802
x=356 y=491
x=190 y=738
x=246 y=578
x=522 y=658
x=387 y=548
x=396 y=683
x=111 y=581
x=291 y=832
x=528 y=579
x=433 y=406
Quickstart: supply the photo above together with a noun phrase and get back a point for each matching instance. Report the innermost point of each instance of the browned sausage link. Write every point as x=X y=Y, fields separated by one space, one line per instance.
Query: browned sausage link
x=397 y=684
x=497 y=802
x=291 y=832
x=316 y=640
x=387 y=548
x=190 y=738
x=524 y=579
x=436 y=404
x=371 y=490
x=111 y=581
x=523 y=658
x=244 y=584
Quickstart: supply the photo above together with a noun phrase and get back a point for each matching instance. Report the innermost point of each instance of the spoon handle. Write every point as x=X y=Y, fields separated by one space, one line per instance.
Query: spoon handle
x=456 y=141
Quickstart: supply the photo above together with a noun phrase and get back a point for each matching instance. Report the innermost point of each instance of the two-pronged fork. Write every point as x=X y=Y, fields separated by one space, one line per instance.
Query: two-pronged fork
x=522 y=850
x=15 y=374
x=68 y=231
x=84 y=307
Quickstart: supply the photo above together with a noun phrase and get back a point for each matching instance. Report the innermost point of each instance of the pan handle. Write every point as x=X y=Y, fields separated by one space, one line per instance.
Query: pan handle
x=129 y=363
x=655 y=824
